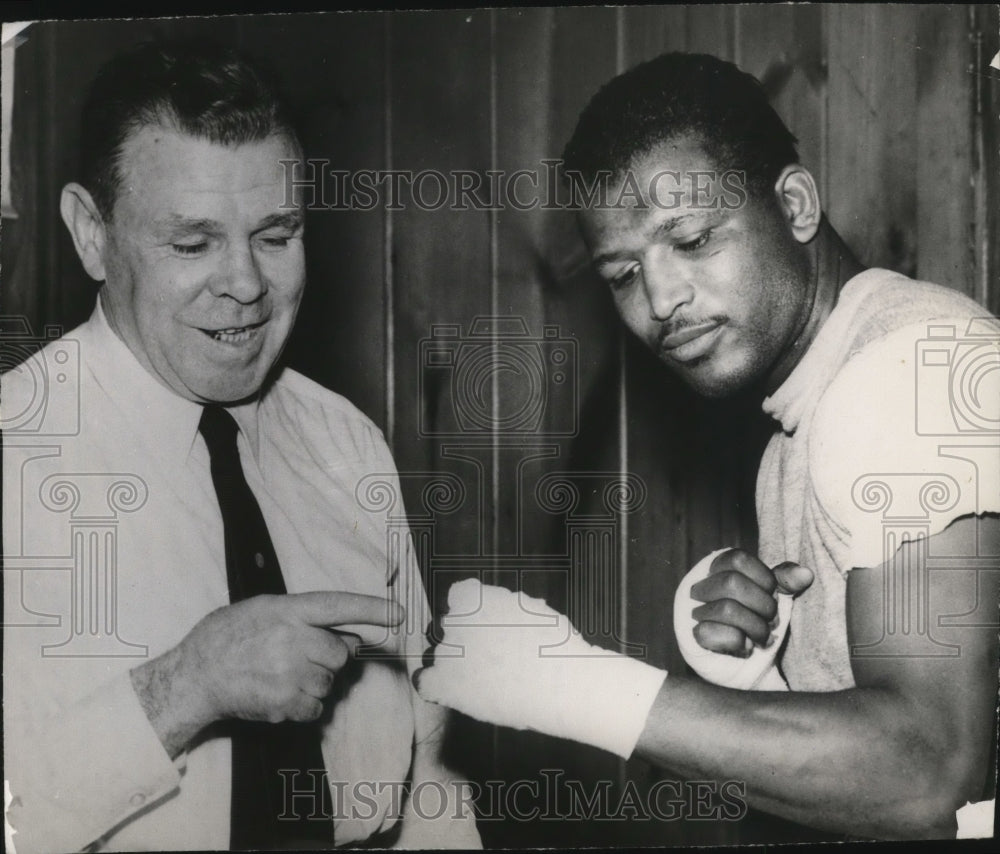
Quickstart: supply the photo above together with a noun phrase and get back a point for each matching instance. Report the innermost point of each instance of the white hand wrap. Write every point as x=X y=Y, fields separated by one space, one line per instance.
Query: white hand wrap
x=758 y=672
x=509 y=659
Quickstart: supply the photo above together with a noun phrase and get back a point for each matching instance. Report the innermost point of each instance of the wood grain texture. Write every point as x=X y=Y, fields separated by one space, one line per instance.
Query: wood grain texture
x=340 y=336
x=893 y=116
x=945 y=91
x=441 y=257
x=985 y=21
x=872 y=143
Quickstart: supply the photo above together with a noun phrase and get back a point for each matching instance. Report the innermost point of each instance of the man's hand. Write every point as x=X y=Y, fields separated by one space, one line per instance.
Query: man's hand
x=740 y=605
x=268 y=658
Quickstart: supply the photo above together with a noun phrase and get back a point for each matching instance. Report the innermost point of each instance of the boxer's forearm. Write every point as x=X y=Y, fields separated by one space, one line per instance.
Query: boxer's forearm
x=864 y=761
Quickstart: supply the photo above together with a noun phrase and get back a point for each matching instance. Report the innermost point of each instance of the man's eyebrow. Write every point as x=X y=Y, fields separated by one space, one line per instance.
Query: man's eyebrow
x=665 y=227
x=178 y=223
x=290 y=220
x=670 y=223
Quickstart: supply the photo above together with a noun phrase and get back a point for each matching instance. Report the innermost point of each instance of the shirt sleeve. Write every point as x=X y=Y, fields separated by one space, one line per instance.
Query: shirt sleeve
x=906 y=438
x=77 y=775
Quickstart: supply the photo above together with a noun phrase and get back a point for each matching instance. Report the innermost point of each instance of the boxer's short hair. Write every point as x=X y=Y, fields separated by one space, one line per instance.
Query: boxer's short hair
x=679 y=95
x=199 y=88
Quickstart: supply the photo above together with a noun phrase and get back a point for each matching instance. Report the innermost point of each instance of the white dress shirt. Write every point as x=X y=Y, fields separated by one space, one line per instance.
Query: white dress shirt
x=113 y=545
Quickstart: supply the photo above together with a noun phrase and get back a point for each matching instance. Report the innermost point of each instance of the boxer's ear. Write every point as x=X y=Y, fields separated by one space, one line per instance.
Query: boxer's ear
x=798 y=198
x=86 y=227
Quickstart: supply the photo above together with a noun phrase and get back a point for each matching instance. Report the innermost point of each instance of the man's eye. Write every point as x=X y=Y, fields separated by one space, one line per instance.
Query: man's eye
x=190 y=248
x=697 y=243
x=624 y=278
x=274 y=241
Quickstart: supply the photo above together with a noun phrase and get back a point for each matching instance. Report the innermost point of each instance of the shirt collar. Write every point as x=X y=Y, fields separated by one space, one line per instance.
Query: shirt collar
x=153 y=410
x=818 y=365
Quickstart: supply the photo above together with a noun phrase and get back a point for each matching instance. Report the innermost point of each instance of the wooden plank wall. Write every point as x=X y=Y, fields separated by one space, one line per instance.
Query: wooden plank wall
x=891 y=114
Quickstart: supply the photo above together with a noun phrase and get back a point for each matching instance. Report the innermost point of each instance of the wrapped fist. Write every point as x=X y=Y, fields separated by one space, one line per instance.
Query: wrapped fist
x=510 y=659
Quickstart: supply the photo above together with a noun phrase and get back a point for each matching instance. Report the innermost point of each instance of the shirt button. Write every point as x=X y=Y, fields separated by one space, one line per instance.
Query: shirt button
x=138 y=799
x=259 y=560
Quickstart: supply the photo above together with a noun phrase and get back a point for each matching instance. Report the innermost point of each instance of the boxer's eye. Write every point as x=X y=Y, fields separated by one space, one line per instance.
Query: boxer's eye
x=624 y=278
x=694 y=245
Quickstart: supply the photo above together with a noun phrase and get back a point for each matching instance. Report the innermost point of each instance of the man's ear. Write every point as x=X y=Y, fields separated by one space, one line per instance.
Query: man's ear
x=86 y=227
x=798 y=198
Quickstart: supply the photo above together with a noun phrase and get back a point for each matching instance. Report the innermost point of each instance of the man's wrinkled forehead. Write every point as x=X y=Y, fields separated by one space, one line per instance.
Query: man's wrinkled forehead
x=150 y=151
x=164 y=121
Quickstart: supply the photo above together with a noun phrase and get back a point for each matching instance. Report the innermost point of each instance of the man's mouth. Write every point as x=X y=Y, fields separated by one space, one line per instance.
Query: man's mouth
x=233 y=334
x=690 y=342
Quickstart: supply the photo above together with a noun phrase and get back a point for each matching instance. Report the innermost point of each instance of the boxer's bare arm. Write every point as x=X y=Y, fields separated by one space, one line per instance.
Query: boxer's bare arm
x=893 y=757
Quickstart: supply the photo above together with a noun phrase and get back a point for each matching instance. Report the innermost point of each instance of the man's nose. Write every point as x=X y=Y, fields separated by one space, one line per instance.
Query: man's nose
x=240 y=278
x=666 y=286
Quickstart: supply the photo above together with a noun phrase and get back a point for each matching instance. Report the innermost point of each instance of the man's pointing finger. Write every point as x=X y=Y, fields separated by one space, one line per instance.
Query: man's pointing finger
x=352 y=612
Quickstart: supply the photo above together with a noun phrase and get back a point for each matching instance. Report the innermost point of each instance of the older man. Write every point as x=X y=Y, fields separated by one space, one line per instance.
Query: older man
x=201 y=686
x=712 y=239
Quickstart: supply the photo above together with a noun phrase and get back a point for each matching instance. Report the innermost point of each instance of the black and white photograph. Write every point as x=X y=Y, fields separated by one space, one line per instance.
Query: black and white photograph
x=501 y=428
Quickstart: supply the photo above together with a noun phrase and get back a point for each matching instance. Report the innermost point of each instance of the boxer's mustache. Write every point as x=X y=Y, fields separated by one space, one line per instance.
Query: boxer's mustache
x=679 y=324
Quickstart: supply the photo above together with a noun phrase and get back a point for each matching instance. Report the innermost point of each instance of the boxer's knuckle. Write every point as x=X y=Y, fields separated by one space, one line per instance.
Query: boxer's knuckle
x=722 y=563
x=731 y=583
x=424 y=677
x=758 y=630
x=742 y=560
x=703 y=633
x=728 y=609
x=715 y=641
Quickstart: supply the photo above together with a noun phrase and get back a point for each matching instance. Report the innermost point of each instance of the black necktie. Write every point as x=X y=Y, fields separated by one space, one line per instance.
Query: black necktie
x=260 y=749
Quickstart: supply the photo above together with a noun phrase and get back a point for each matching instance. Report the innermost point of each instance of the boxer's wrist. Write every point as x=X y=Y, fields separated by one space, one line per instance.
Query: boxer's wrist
x=509 y=659
x=604 y=700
